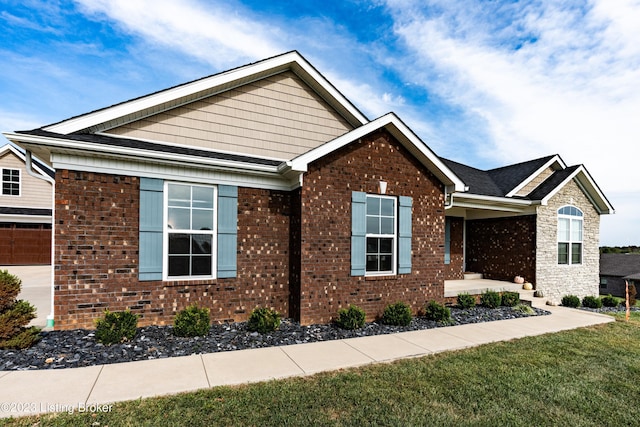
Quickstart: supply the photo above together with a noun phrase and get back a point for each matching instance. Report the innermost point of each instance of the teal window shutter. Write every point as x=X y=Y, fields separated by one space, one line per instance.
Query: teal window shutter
x=151 y=227
x=227 y=231
x=404 y=234
x=447 y=241
x=358 y=232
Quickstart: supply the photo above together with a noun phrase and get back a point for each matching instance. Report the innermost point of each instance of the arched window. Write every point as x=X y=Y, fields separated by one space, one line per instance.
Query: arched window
x=570 y=221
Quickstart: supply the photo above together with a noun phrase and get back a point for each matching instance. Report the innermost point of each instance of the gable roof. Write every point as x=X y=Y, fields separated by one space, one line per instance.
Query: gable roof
x=401 y=132
x=620 y=265
x=148 y=105
x=40 y=167
x=505 y=182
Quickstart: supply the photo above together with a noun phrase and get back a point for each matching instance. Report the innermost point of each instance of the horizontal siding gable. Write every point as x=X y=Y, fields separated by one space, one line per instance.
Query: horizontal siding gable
x=34 y=192
x=279 y=116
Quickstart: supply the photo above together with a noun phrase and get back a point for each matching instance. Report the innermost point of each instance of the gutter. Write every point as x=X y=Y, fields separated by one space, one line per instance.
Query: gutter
x=31 y=172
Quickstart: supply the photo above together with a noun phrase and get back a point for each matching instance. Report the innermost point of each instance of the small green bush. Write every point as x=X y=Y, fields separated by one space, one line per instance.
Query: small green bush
x=351 y=318
x=116 y=327
x=466 y=301
x=510 y=299
x=490 y=299
x=571 y=301
x=263 y=320
x=15 y=315
x=9 y=289
x=192 y=322
x=591 y=302
x=398 y=314
x=437 y=312
x=524 y=309
x=609 y=301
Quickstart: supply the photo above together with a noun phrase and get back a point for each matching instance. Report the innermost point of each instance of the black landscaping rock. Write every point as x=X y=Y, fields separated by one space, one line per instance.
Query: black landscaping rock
x=76 y=348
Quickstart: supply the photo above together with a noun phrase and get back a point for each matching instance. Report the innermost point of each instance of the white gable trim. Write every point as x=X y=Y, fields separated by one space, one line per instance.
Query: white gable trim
x=21 y=156
x=588 y=186
x=400 y=131
x=190 y=92
x=531 y=177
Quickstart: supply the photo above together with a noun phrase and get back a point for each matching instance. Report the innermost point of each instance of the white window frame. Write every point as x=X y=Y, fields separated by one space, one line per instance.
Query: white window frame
x=2 y=182
x=167 y=231
x=394 y=237
x=572 y=219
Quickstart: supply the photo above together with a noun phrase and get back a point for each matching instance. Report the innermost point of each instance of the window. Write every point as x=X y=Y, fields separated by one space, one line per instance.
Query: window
x=190 y=230
x=447 y=240
x=10 y=182
x=570 y=220
x=603 y=282
x=381 y=234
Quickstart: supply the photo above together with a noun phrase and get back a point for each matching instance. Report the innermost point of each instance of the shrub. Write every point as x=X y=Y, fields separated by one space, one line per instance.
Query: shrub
x=437 y=312
x=15 y=315
x=571 y=301
x=609 y=301
x=263 y=320
x=591 y=302
x=192 y=322
x=510 y=299
x=351 y=318
x=116 y=327
x=466 y=301
x=398 y=314
x=524 y=309
x=490 y=299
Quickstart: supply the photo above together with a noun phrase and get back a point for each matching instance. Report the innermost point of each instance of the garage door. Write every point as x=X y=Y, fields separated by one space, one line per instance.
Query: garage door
x=25 y=244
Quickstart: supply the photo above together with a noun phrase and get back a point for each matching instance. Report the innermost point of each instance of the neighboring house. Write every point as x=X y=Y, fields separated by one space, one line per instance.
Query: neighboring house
x=25 y=209
x=265 y=186
x=615 y=270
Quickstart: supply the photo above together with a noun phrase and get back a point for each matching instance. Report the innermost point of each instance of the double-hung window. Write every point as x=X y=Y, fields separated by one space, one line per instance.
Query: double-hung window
x=190 y=230
x=381 y=235
x=570 y=221
x=10 y=182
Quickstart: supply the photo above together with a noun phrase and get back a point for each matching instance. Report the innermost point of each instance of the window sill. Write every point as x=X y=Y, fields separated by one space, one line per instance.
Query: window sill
x=382 y=277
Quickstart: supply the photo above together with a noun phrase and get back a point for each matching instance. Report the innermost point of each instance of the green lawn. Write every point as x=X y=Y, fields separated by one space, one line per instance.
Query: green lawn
x=585 y=377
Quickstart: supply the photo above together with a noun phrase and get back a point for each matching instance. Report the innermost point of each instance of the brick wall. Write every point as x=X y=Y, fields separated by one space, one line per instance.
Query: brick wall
x=326 y=283
x=455 y=269
x=557 y=280
x=502 y=248
x=96 y=258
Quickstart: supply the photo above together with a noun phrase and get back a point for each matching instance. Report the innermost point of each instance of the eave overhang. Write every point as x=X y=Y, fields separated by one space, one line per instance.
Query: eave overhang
x=589 y=187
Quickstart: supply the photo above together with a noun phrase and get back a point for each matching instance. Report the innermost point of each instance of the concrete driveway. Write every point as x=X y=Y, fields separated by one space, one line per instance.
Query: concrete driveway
x=36 y=289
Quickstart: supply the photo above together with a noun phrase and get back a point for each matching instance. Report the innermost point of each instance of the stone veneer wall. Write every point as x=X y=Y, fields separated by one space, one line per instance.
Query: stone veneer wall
x=325 y=279
x=558 y=280
x=96 y=256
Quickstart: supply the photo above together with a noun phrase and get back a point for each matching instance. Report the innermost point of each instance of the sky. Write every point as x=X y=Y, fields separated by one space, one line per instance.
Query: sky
x=487 y=83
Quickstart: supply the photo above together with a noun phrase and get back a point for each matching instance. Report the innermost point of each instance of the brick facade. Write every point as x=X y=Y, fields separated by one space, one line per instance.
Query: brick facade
x=96 y=259
x=502 y=248
x=455 y=269
x=326 y=283
x=557 y=280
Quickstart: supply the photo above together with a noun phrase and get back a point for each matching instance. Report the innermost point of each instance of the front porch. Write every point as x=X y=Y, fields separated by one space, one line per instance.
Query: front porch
x=476 y=286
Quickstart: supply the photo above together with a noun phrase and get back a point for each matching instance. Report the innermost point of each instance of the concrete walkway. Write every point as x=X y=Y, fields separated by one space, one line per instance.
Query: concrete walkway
x=94 y=388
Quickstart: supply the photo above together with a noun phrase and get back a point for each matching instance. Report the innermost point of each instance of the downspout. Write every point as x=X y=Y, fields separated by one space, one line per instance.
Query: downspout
x=31 y=172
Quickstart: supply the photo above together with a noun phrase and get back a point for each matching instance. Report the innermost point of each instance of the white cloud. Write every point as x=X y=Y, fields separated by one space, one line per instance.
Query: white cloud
x=215 y=34
x=572 y=87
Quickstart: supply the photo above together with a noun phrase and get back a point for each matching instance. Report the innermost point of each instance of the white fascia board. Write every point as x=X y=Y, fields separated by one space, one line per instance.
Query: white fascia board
x=207 y=85
x=87 y=148
x=399 y=130
x=21 y=156
x=531 y=177
x=589 y=187
x=478 y=201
